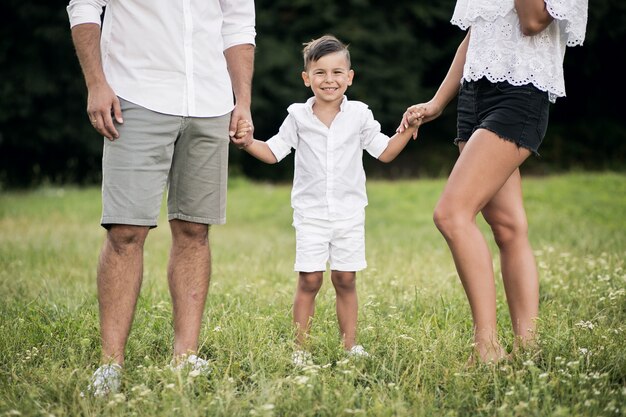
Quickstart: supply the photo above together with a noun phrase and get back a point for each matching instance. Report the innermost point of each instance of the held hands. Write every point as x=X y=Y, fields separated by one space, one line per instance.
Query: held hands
x=412 y=120
x=424 y=112
x=242 y=137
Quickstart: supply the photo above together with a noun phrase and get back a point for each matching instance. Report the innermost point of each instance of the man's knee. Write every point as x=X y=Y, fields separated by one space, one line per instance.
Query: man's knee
x=184 y=232
x=123 y=237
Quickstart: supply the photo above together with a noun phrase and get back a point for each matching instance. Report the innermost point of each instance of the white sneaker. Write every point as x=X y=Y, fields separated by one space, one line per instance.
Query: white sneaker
x=301 y=358
x=193 y=363
x=358 y=351
x=105 y=380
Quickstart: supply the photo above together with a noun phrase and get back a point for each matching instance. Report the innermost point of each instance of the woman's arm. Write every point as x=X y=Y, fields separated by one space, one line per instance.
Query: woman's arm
x=533 y=16
x=448 y=89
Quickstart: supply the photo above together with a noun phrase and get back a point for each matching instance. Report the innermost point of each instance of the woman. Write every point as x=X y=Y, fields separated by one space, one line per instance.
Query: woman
x=509 y=67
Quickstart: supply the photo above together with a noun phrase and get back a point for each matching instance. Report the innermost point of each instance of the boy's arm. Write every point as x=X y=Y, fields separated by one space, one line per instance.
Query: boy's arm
x=242 y=138
x=398 y=142
x=260 y=150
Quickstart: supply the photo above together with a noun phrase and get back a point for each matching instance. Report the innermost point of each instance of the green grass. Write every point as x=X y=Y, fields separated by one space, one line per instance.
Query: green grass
x=414 y=318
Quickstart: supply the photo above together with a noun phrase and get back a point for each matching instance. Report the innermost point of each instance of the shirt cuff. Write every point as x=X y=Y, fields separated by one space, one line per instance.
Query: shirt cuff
x=378 y=145
x=239 y=39
x=279 y=148
x=83 y=14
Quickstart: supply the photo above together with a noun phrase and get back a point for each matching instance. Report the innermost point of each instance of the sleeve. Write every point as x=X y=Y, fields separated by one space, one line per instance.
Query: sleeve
x=85 y=11
x=372 y=140
x=572 y=17
x=286 y=138
x=467 y=11
x=459 y=16
x=238 y=27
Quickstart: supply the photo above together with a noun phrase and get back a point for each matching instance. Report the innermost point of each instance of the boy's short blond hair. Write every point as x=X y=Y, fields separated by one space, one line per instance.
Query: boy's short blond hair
x=323 y=46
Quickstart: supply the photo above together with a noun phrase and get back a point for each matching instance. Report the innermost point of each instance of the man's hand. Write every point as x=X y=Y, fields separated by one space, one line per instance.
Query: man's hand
x=102 y=106
x=242 y=138
x=239 y=114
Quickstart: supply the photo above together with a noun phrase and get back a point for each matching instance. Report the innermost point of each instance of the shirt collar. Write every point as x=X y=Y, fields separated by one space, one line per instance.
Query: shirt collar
x=309 y=104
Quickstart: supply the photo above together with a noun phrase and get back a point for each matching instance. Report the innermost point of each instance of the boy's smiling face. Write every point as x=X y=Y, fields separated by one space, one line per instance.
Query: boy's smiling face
x=329 y=77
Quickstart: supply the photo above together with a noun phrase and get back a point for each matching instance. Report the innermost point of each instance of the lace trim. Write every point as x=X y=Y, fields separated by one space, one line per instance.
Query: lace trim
x=572 y=15
x=552 y=95
x=467 y=11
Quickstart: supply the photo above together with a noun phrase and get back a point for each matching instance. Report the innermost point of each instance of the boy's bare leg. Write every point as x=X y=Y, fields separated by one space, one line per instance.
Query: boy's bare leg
x=347 y=305
x=309 y=284
x=507 y=218
x=484 y=166
x=120 y=271
x=188 y=276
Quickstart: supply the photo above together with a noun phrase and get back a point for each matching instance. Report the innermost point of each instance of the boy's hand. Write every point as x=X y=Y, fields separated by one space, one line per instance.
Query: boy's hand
x=240 y=138
x=424 y=111
x=413 y=121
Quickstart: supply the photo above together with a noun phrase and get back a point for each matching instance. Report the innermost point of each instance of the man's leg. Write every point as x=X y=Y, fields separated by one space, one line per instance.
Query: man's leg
x=120 y=272
x=188 y=276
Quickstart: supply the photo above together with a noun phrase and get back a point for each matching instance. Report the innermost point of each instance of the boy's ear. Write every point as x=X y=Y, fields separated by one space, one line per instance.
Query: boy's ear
x=305 y=78
x=350 y=76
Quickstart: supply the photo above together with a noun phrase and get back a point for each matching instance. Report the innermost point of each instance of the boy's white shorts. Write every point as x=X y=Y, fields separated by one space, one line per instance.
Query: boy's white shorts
x=340 y=242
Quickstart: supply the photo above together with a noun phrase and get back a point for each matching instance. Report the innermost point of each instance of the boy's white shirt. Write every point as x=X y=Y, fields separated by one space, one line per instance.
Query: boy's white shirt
x=329 y=179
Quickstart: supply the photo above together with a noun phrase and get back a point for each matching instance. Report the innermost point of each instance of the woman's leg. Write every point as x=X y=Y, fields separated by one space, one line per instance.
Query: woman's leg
x=507 y=218
x=347 y=305
x=484 y=166
x=309 y=284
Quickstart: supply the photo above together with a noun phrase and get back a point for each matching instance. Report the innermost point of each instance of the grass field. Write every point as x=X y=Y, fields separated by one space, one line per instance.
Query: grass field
x=414 y=318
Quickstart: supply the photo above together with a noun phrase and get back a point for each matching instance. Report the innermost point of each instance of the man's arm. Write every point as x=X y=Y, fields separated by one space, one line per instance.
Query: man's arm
x=240 y=61
x=533 y=16
x=101 y=99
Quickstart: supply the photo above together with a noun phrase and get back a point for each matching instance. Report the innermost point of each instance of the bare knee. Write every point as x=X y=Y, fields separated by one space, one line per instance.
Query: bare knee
x=508 y=231
x=186 y=233
x=123 y=238
x=448 y=220
x=310 y=282
x=344 y=281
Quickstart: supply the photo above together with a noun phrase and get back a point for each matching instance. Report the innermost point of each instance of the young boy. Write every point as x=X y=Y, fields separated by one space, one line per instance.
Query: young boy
x=329 y=133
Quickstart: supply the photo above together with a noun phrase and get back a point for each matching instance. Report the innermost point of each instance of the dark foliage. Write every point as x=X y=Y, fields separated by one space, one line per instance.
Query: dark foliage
x=400 y=52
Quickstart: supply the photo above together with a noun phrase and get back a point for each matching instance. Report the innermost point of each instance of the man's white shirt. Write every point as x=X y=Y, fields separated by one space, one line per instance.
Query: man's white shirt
x=168 y=55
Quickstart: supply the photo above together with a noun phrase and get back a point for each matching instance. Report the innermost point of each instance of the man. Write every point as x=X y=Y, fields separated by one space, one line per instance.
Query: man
x=161 y=77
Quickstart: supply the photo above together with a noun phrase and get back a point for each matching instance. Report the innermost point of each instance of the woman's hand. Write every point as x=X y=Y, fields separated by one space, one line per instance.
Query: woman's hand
x=423 y=111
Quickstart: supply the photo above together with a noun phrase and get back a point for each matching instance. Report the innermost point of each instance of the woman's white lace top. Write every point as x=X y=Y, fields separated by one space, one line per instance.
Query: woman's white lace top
x=500 y=52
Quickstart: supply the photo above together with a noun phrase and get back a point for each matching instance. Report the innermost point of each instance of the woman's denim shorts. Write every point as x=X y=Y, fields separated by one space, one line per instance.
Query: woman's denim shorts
x=515 y=113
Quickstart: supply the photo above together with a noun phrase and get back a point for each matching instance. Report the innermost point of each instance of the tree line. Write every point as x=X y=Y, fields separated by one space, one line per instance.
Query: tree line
x=400 y=53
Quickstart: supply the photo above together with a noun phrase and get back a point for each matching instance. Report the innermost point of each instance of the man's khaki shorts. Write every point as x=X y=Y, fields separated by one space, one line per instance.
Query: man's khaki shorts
x=188 y=154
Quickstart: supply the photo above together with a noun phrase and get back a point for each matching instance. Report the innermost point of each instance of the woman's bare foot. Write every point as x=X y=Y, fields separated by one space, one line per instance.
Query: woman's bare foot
x=488 y=353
